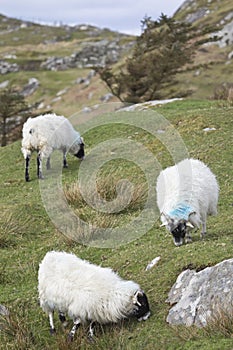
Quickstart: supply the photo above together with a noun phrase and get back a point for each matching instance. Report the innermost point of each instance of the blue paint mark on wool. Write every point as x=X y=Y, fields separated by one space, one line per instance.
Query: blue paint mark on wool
x=182 y=211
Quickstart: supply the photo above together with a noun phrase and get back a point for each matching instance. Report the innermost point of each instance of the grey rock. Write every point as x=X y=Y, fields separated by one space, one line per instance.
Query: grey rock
x=4 y=84
x=91 y=54
x=6 y=67
x=197 y=296
x=31 y=87
x=106 y=97
x=4 y=311
x=195 y=16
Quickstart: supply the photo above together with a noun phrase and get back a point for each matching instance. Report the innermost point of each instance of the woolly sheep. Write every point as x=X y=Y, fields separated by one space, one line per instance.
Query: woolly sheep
x=186 y=193
x=86 y=292
x=45 y=134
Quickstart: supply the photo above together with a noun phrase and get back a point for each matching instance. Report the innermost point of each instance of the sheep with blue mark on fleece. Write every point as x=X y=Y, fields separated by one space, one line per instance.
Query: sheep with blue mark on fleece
x=47 y=133
x=186 y=194
x=86 y=292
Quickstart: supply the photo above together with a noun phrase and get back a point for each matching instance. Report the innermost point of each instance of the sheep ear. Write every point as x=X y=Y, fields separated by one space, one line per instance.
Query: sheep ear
x=135 y=298
x=168 y=219
x=188 y=223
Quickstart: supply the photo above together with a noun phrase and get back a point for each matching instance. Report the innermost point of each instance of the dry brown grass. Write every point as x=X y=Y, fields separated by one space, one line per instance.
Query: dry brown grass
x=11 y=228
x=13 y=327
x=221 y=321
x=112 y=191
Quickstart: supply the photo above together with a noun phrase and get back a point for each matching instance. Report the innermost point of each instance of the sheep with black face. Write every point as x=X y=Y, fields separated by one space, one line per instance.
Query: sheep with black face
x=47 y=133
x=186 y=194
x=87 y=292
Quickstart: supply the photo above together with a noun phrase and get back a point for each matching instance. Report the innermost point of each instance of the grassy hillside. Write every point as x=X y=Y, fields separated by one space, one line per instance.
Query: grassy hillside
x=27 y=233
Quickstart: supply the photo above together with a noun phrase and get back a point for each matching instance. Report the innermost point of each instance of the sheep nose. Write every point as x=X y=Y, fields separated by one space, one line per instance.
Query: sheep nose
x=177 y=244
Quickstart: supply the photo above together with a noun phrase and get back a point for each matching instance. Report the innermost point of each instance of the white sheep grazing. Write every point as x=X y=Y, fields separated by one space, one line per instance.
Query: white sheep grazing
x=186 y=193
x=45 y=134
x=86 y=292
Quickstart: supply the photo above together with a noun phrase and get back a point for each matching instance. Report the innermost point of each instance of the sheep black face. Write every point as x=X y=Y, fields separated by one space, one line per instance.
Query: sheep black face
x=142 y=311
x=179 y=233
x=80 y=154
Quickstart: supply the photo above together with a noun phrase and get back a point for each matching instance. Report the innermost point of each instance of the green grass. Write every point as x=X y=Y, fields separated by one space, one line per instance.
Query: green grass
x=27 y=233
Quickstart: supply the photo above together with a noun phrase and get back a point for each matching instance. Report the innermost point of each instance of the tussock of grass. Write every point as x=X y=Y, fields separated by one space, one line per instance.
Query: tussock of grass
x=221 y=322
x=11 y=228
x=106 y=187
x=15 y=328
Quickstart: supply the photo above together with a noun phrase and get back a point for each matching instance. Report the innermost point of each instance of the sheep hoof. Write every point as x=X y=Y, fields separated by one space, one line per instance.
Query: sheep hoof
x=91 y=338
x=70 y=338
x=52 y=331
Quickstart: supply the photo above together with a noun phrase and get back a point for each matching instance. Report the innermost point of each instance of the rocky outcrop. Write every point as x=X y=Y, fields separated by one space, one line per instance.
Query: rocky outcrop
x=196 y=297
x=193 y=11
x=90 y=54
x=6 y=67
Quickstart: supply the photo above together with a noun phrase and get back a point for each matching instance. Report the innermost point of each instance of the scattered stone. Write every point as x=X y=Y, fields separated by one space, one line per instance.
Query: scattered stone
x=4 y=84
x=41 y=105
x=56 y=99
x=31 y=87
x=10 y=56
x=209 y=129
x=86 y=109
x=4 y=311
x=6 y=67
x=106 y=97
x=196 y=296
x=62 y=92
x=153 y=263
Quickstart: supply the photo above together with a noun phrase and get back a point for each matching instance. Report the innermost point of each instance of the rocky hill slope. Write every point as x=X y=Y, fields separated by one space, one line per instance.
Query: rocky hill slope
x=53 y=64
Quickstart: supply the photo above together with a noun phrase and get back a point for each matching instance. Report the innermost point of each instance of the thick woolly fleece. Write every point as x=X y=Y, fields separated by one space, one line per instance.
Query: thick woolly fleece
x=187 y=191
x=82 y=290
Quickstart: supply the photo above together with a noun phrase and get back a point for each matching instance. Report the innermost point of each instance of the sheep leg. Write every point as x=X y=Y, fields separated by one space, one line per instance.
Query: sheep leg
x=27 y=161
x=91 y=331
x=188 y=238
x=52 y=328
x=62 y=318
x=203 y=229
x=48 y=165
x=39 y=166
x=65 y=165
x=74 y=329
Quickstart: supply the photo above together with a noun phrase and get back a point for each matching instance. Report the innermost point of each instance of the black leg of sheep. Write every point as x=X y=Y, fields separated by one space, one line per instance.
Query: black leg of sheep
x=26 y=169
x=73 y=330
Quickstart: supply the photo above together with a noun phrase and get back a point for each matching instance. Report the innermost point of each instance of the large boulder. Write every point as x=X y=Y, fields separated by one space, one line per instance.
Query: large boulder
x=198 y=296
